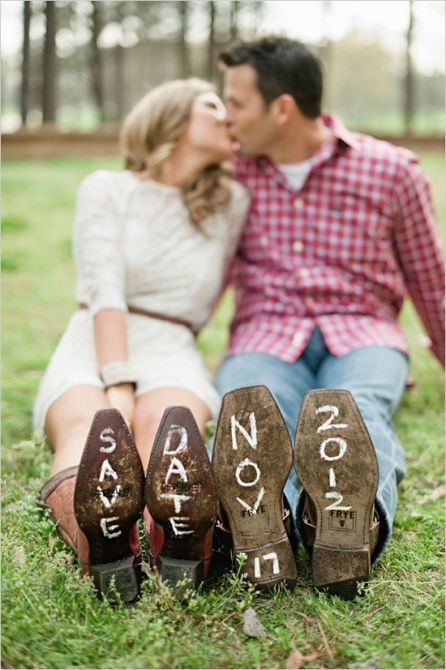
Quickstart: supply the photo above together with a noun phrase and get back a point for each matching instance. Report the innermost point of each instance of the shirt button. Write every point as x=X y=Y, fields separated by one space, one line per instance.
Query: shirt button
x=298 y=339
x=298 y=203
x=298 y=246
x=304 y=273
x=310 y=300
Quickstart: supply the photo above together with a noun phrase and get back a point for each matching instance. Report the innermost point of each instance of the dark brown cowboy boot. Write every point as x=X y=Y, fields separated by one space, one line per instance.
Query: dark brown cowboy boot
x=336 y=464
x=251 y=460
x=181 y=501
x=108 y=500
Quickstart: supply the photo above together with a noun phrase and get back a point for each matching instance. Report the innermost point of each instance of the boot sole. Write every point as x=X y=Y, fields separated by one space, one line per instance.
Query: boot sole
x=252 y=459
x=337 y=467
x=181 y=497
x=108 y=500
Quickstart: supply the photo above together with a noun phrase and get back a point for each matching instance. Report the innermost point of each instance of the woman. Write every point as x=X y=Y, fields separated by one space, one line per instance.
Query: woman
x=152 y=246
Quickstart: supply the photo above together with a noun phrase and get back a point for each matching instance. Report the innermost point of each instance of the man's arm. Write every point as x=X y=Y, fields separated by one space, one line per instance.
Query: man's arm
x=419 y=252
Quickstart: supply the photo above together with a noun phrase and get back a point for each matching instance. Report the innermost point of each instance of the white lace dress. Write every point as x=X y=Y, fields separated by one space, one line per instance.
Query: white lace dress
x=134 y=245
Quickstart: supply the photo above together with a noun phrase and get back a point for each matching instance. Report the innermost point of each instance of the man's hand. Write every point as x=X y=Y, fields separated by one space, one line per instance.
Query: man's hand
x=122 y=397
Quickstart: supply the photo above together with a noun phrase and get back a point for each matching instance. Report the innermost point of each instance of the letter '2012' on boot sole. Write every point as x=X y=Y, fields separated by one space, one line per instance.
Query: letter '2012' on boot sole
x=336 y=464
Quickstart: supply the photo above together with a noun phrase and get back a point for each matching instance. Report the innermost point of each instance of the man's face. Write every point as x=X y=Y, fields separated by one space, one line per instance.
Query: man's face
x=249 y=119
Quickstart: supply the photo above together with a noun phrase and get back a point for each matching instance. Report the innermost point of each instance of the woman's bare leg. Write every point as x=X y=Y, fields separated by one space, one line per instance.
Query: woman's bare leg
x=150 y=408
x=68 y=422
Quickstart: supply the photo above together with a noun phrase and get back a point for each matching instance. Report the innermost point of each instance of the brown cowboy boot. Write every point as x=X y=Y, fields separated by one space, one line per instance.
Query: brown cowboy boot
x=181 y=501
x=96 y=507
x=57 y=496
x=224 y=545
x=336 y=464
x=251 y=460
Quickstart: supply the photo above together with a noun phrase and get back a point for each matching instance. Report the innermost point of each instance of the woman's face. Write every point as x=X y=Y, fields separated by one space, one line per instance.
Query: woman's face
x=207 y=131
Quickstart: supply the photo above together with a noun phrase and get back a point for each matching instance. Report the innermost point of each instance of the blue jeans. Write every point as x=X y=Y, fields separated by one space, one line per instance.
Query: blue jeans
x=375 y=376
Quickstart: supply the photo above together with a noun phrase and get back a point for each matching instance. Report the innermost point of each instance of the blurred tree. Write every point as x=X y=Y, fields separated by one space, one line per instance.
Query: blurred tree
x=409 y=81
x=24 y=87
x=183 y=50
x=249 y=15
x=96 y=59
x=139 y=44
x=370 y=89
x=49 y=65
x=234 y=7
x=211 y=41
x=119 y=64
x=326 y=49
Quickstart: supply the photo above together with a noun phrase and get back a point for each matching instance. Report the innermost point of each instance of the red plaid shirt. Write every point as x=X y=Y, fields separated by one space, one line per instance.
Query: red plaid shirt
x=340 y=253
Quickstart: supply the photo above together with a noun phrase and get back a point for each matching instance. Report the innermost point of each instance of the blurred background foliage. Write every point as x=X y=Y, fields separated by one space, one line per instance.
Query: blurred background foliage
x=85 y=63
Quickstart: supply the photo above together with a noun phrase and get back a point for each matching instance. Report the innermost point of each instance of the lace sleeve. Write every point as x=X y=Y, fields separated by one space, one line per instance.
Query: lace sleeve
x=98 y=248
x=238 y=212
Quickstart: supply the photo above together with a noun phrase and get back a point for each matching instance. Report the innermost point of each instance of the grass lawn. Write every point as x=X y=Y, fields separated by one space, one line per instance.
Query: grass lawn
x=51 y=617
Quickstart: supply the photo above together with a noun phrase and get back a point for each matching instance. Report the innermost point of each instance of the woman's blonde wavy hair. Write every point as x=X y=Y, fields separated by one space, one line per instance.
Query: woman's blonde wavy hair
x=151 y=132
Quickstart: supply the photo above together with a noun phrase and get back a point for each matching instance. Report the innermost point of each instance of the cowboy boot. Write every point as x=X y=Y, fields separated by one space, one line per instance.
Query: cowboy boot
x=181 y=502
x=223 y=544
x=57 y=497
x=336 y=464
x=251 y=461
x=97 y=505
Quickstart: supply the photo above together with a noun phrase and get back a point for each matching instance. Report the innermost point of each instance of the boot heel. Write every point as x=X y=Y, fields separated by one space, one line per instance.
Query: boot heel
x=180 y=574
x=270 y=565
x=119 y=577
x=340 y=571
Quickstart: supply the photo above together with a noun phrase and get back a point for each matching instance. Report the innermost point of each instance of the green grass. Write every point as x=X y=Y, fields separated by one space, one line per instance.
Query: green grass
x=51 y=617
x=426 y=122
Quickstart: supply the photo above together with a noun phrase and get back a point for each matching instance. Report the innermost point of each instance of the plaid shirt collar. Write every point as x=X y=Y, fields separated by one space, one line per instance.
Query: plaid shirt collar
x=342 y=137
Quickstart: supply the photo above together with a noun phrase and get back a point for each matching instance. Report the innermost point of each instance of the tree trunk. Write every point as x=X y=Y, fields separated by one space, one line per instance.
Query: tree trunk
x=119 y=68
x=119 y=80
x=210 y=64
x=24 y=88
x=49 y=65
x=327 y=52
x=233 y=9
x=183 y=51
x=409 y=83
x=96 y=61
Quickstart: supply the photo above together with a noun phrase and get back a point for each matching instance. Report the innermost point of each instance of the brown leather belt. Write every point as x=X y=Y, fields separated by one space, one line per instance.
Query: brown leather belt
x=153 y=315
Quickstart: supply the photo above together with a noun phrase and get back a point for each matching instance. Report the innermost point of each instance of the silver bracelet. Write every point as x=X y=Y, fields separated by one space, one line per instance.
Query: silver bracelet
x=119 y=372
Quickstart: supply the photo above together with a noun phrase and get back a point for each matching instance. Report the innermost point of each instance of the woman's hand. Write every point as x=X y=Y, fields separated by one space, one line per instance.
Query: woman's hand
x=122 y=397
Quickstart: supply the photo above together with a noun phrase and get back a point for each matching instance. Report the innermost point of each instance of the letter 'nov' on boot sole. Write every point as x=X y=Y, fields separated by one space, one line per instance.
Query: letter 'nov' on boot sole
x=181 y=497
x=108 y=500
x=252 y=458
x=336 y=464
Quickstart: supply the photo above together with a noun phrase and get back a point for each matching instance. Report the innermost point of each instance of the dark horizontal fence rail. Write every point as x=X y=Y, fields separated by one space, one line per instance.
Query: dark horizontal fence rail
x=46 y=143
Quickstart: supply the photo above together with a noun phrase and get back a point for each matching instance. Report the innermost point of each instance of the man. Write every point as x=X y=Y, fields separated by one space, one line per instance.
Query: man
x=341 y=226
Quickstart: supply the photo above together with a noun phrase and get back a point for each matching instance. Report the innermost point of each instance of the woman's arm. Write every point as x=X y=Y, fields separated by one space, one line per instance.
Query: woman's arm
x=110 y=329
x=100 y=264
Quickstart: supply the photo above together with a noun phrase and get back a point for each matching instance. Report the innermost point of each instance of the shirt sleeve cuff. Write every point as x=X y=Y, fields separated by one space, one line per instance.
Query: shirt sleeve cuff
x=105 y=301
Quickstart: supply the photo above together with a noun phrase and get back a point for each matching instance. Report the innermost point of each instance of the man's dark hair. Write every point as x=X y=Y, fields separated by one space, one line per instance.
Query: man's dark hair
x=282 y=66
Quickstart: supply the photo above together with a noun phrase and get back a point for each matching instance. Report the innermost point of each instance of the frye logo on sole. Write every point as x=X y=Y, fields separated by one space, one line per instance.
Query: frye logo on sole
x=342 y=520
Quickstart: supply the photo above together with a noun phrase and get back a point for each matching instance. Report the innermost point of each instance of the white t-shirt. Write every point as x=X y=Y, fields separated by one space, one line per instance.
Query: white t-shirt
x=296 y=173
